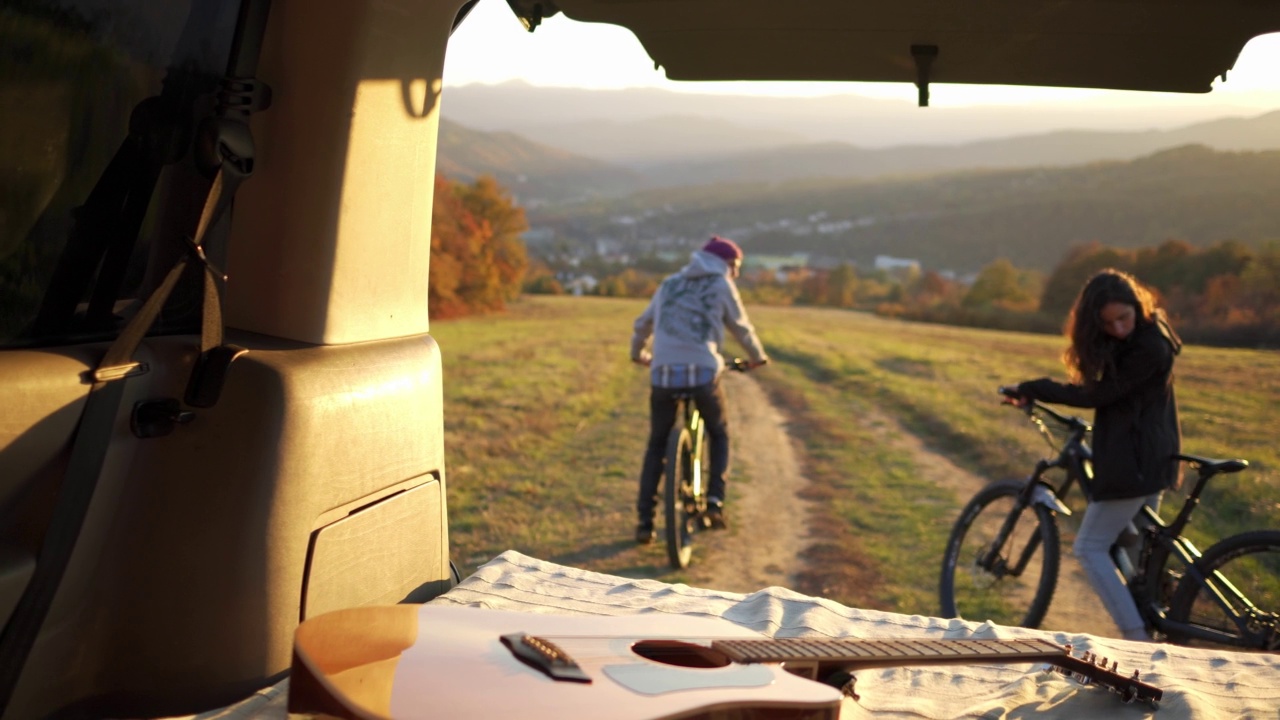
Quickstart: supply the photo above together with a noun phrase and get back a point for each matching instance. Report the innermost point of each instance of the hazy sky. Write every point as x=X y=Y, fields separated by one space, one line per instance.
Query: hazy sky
x=565 y=53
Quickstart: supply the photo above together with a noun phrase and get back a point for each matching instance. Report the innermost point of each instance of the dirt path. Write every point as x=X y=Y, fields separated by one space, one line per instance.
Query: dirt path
x=1075 y=606
x=769 y=520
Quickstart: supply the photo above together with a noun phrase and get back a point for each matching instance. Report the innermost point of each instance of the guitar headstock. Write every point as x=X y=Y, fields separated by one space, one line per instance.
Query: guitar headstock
x=1088 y=668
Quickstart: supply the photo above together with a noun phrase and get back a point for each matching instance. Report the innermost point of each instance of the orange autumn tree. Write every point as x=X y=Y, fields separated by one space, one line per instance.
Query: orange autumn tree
x=478 y=260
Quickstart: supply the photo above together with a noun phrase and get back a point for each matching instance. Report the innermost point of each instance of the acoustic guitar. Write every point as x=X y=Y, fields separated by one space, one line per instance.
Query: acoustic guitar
x=402 y=662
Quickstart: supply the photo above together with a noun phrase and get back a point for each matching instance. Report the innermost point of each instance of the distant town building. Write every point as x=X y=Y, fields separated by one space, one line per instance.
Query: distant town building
x=609 y=246
x=754 y=261
x=581 y=285
x=539 y=235
x=893 y=264
x=785 y=268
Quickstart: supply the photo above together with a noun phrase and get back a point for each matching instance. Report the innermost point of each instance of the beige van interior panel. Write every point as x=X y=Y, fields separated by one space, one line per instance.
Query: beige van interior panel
x=333 y=234
x=374 y=556
x=44 y=394
x=187 y=584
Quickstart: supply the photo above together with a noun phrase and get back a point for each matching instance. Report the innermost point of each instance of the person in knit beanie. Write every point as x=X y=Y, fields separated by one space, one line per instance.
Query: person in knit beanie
x=686 y=320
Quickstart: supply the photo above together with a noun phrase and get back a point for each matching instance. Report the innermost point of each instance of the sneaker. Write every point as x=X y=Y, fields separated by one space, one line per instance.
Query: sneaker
x=644 y=533
x=715 y=516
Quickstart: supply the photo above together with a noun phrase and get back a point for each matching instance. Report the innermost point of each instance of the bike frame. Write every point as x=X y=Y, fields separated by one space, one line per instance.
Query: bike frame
x=1159 y=541
x=1073 y=457
x=686 y=500
x=691 y=420
x=1162 y=541
x=684 y=493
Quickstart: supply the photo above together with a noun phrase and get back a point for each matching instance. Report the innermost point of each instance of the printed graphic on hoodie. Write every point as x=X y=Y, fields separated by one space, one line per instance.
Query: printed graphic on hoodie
x=688 y=305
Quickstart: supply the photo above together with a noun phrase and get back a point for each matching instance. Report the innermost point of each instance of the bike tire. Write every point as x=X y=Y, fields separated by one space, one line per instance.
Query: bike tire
x=970 y=592
x=1250 y=562
x=679 y=525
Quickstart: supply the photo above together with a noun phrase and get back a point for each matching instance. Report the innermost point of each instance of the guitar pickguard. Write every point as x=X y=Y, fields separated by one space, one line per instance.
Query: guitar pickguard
x=654 y=679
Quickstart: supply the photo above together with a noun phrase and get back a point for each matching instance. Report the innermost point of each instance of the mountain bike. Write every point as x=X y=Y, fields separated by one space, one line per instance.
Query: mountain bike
x=688 y=472
x=1001 y=561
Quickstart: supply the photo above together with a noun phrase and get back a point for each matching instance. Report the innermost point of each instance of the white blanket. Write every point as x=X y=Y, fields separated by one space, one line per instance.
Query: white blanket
x=1197 y=683
x=1201 y=684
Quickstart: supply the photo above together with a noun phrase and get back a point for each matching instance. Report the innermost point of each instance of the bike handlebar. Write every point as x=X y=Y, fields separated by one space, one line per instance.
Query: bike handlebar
x=741 y=365
x=1206 y=466
x=1029 y=406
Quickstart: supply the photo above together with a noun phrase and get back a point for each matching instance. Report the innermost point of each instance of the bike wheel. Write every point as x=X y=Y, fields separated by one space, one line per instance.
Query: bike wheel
x=1240 y=604
x=1009 y=581
x=679 y=521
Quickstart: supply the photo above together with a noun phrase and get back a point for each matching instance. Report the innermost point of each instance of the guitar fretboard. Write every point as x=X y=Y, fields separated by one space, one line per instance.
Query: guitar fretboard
x=852 y=650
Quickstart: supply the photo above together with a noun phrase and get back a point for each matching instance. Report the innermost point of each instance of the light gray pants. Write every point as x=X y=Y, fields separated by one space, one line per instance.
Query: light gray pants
x=1103 y=522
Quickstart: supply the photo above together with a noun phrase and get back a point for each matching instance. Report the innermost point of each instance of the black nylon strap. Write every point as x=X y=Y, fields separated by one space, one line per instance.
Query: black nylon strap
x=93 y=437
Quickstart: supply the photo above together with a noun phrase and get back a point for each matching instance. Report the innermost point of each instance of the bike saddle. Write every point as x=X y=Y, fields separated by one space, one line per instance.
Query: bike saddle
x=1210 y=465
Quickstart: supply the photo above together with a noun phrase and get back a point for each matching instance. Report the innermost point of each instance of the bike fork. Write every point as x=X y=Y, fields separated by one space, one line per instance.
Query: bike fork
x=699 y=447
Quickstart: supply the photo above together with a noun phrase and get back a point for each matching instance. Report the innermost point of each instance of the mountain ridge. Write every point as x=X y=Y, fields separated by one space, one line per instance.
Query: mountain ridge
x=540 y=172
x=858 y=120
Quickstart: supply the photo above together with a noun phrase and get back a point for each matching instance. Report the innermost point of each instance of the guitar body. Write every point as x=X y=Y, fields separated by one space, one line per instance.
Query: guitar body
x=424 y=661
x=404 y=662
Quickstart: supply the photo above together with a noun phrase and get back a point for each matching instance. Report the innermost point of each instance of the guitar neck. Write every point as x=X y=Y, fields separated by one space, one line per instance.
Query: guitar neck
x=887 y=653
x=820 y=658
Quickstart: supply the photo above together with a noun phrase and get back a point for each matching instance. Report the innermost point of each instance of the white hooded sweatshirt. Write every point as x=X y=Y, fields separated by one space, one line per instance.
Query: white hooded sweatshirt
x=688 y=314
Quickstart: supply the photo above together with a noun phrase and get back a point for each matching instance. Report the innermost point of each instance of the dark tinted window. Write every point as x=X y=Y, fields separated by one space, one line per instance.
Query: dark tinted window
x=75 y=182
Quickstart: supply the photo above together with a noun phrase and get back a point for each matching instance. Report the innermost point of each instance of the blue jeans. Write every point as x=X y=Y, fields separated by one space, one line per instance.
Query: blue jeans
x=1103 y=522
x=710 y=402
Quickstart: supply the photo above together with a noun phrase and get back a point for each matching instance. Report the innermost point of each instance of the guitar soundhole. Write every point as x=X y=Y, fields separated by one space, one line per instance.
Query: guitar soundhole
x=680 y=654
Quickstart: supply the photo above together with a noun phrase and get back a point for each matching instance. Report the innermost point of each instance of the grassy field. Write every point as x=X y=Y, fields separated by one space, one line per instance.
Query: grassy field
x=545 y=422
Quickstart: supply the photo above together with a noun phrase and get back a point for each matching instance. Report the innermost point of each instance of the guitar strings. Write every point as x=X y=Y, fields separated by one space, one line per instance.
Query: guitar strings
x=882 y=648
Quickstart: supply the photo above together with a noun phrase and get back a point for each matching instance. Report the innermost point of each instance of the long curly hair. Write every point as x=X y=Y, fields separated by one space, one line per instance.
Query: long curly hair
x=1091 y=349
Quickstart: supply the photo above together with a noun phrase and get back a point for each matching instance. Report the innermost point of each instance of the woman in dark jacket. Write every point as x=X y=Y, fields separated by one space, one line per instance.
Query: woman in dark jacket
x=1121 y=363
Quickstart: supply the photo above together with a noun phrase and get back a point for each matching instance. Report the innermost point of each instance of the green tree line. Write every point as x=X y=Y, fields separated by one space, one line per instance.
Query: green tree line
x=1226 y=294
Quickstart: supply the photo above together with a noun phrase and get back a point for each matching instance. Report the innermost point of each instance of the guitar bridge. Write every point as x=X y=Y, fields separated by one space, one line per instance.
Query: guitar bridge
x=544 y=656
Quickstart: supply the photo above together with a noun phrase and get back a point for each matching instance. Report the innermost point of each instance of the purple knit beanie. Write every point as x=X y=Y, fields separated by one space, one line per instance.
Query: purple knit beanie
x=724 y=248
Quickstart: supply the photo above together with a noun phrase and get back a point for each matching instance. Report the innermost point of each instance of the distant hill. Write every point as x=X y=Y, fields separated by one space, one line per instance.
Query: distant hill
x=1068 y=147
x=847 y=118
x=669 y=151
x=646 y=142
x=959 y=221
x=533 y=172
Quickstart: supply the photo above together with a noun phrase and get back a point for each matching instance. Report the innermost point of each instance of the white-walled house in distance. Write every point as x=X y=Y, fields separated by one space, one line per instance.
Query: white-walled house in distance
x=889 y=263
x=581 y=285
x=784 y=267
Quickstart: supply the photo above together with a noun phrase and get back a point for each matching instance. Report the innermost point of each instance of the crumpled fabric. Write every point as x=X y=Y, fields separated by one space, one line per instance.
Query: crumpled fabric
x=1197 y=683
